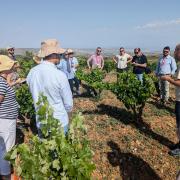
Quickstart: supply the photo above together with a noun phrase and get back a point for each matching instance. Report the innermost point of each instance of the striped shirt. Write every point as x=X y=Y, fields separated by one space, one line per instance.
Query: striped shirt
x=9 y=106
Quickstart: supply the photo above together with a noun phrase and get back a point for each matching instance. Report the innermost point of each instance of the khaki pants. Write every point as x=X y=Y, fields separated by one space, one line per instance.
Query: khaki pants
x=164 y=90
x=7 y=141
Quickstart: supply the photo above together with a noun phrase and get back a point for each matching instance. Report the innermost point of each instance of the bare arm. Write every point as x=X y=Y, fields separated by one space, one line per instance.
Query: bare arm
x=171 y=80
x=129 y=59
x=88 y=62
x=115 y=59
x=140 y=65
x=1 y=98
x=102 y=66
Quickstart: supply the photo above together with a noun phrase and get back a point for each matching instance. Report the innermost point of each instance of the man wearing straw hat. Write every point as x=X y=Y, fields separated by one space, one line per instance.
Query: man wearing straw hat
x=8 y=115
x=47 y=79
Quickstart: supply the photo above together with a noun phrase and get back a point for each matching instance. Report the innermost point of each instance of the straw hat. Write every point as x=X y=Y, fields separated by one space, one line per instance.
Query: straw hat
x=69 y=51
x=6 y=63
x=48 y=47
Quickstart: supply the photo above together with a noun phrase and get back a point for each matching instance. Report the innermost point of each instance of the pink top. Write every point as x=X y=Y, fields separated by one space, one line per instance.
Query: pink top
x=96 y=60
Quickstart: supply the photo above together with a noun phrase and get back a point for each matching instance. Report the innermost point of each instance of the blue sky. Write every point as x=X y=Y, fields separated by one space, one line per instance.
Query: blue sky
x=87 y=24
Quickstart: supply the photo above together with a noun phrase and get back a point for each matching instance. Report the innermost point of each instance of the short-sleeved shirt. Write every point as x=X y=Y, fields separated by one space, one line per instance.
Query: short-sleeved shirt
x=9 y=106
x=122 y=61
x=63 y=67
x=140 y=60
x=177 y=87
x=96 y=61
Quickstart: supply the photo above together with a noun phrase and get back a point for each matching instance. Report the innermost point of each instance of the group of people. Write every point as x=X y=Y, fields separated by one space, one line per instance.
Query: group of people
x=55 y=78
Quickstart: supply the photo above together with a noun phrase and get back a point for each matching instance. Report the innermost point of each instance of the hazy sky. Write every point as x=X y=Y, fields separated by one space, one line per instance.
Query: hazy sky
x=90 y=23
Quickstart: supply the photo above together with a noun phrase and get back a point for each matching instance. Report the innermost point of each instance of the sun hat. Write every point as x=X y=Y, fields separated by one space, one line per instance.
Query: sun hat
x=50 y=46
x=10 y=47
x=70 y=51
x=6 y=63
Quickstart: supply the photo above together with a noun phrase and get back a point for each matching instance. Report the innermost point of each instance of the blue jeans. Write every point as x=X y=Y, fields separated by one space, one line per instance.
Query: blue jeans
x=140 y=77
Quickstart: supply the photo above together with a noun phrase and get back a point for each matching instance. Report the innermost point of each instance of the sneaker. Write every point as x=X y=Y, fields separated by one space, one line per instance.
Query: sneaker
x=175 y=152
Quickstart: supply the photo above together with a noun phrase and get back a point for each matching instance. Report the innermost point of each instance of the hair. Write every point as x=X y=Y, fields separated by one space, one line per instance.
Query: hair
x=51 y=56
x=121 y=48
x=167 y=48
x=138 y=49
x=176 y=52
x=98 y=48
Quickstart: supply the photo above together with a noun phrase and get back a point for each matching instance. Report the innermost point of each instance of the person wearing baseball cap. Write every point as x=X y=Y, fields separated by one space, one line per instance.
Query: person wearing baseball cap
x=47 y=79
x=8 y=115
x=10 y=50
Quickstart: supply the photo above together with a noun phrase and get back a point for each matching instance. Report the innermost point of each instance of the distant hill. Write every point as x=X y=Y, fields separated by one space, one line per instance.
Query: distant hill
x=78 y=51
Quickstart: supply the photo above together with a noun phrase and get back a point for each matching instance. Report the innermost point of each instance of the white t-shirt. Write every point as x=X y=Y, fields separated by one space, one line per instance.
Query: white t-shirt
x=122 y=61
x=177 y=87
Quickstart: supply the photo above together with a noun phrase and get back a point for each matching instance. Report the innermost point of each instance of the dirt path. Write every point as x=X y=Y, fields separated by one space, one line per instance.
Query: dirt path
x=124 y=149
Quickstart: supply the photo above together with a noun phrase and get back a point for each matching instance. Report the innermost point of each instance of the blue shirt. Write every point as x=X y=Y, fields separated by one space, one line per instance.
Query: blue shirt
x=63 y=67
x=166 y=65
x=47 y=79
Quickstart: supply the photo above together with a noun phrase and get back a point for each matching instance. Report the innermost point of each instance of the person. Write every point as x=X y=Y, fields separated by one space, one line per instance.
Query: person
x=8 y=115
x=10 y=51
x=96 y=60
x=122 y=59
x=13 y=78
x=175 y=150
x=74 y=66
x=47 y=79
x=68 y=65
x=139 y=62
x=166 y=66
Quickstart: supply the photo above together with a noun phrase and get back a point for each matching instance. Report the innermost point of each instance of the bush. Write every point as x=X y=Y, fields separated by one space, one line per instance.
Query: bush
x=109 y=65
x=56 y=156
x=24 y=98
x=93 y=79
x=132 y=93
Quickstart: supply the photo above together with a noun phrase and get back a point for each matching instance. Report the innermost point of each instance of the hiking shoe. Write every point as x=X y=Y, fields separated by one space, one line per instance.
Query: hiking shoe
x=175 y=152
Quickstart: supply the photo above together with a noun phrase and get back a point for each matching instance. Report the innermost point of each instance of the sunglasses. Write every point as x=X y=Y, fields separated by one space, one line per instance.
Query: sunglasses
x=166 y=51
x=10 y=49
x=98 y=50
x=136 y=52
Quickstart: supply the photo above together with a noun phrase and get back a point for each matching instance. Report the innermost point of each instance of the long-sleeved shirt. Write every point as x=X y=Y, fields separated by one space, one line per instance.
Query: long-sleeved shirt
x=63 y=67
x=166 y=65
x=47 y=79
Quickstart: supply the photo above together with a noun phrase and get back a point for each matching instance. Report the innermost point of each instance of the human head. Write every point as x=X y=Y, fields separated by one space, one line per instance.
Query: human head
x=121 y=50
x=6 y=65
x=10 y=50
x=54 y=58
x=137 y=51
x=166 y=51
x=51 y=51
x=98 y=50
x=66 y=55
x=177 y=52
x=70 y=53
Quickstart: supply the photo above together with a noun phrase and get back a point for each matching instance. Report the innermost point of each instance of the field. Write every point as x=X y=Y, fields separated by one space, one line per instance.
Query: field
x=124 y=148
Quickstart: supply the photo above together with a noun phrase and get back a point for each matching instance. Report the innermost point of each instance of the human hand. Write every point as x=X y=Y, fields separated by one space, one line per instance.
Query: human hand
x=166 y=78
